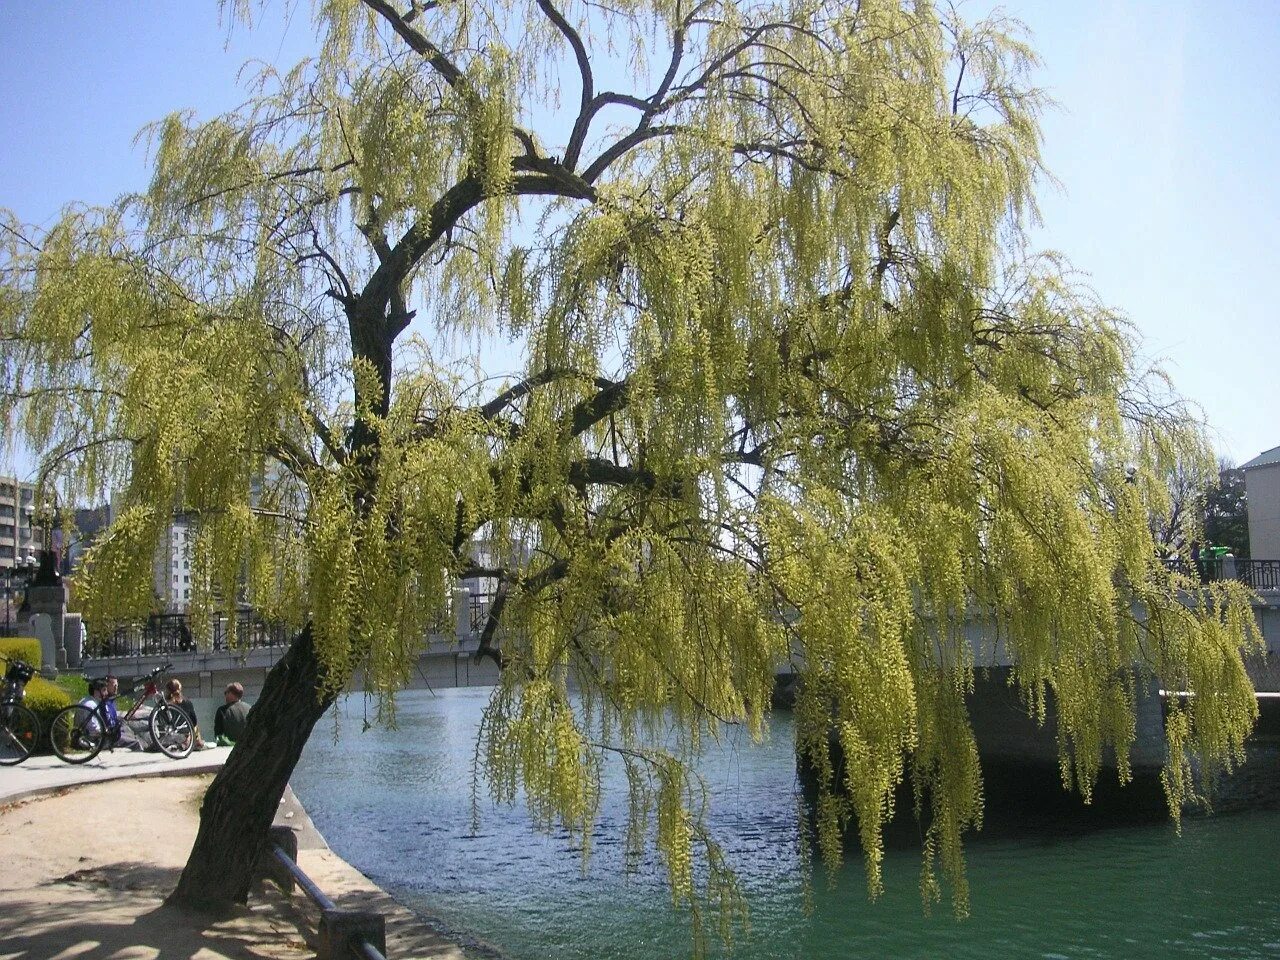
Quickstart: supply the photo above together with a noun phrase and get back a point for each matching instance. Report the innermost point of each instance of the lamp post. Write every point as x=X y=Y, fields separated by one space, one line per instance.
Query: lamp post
x=16 y=577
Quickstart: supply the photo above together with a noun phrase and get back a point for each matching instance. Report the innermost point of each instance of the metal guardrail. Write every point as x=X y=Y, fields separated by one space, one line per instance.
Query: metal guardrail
x=169 y=633
x=1255 y=574
x=343 y=933
x=478 y=609
x=1259 y=574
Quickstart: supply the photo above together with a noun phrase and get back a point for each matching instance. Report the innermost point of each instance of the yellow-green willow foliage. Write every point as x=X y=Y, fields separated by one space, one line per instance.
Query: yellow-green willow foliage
x=793 y=391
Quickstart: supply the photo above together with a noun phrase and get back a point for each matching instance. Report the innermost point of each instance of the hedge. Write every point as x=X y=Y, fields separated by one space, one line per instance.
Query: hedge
x=44 y=698
x=21 y=648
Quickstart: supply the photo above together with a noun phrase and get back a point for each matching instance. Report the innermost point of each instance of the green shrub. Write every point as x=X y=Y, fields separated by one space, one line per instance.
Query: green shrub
x=45 y=699
x=21 y=648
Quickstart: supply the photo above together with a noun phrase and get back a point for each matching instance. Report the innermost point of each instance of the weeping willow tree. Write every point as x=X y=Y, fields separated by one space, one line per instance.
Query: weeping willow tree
x=791 y=388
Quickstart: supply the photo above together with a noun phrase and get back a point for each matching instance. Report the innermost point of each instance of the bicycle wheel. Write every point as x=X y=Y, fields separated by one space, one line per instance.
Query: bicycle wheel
x=172 y=731
x=77 y=734
x=19 y=734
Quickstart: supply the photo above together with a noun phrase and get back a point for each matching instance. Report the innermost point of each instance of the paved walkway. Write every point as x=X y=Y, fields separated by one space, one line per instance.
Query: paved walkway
x=47 y=773
x=84 y=880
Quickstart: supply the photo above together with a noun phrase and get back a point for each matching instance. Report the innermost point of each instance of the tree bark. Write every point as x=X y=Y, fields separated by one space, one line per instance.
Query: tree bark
x=242 y=800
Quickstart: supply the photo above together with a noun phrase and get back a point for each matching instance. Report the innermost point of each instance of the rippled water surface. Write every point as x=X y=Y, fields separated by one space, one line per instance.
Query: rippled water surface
x=397 y=805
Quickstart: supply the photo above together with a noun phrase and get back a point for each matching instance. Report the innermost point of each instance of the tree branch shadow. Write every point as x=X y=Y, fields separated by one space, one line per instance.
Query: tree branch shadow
x=111 y=912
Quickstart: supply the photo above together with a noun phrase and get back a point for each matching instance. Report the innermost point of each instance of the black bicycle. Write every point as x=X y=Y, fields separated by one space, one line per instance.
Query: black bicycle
x=19 y=726
x=79 y=732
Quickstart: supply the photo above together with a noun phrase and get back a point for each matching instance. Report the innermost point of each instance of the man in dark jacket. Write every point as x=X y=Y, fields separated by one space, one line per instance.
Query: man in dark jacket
x=230 y=719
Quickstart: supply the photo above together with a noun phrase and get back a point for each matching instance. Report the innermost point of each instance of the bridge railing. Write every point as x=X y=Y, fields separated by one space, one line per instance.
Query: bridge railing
x=1256 y=574
x=170 y=633
x=1259 y=574
x=478 y=604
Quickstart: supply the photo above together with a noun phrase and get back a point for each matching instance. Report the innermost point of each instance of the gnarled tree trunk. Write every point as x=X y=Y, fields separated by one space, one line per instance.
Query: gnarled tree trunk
x=242 y=800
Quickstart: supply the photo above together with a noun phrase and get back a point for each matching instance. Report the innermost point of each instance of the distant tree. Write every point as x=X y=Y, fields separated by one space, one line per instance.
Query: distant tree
x=1176 y=528
x=1226 y=510
x=792 y=387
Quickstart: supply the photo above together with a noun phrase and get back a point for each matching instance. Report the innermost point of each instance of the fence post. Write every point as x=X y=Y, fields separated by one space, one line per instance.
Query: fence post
x=341 y=929
x=272 y=869
x=1228 y=567
x=462 y=613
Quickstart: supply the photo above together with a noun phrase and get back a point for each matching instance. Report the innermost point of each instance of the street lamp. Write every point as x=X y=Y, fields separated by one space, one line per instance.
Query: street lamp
x=16 y=577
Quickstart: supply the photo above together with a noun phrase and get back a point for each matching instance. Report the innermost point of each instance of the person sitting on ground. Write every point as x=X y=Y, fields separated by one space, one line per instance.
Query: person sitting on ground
x=121 y=735
x=174 y=698
x=229 y=722
x=97 y=693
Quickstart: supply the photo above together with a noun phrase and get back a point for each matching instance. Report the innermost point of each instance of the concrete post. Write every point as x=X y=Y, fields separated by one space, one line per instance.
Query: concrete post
x=462 y=613
x=51 y=600
x=340 y=929
x=40 y=626
x=1229 y=566
x=73 y=639
x=272 y=869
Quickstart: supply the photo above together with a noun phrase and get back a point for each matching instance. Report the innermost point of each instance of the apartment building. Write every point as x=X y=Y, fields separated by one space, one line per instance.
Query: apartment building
x=173 y=565
x=19 y=536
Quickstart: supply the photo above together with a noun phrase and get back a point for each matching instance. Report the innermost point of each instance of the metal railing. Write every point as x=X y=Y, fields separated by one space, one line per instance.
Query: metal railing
x=479 y=604
x=356 y=942
x=1259 y=574
x=169 y=633
x=1255 y=574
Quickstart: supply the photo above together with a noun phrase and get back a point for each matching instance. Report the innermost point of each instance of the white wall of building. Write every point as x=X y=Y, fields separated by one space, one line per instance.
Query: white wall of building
x=1262 y=487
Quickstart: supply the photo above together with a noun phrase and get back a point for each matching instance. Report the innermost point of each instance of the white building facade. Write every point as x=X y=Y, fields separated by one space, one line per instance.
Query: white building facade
x=1262 y=490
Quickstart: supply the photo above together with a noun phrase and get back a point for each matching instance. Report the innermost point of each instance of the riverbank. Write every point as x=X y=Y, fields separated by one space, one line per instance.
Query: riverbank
x=87 y=869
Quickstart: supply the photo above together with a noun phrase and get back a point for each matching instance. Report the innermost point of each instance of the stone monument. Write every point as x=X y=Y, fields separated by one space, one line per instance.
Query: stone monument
x=48 y=595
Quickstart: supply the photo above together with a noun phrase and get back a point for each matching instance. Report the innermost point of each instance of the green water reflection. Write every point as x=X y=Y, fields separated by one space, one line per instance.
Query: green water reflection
x=397 y=805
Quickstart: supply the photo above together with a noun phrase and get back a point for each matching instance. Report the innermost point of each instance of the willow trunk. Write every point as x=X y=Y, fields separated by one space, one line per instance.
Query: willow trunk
x=242 y=801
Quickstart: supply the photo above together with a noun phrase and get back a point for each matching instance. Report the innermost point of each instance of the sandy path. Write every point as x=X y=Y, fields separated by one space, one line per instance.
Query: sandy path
x=85 y=872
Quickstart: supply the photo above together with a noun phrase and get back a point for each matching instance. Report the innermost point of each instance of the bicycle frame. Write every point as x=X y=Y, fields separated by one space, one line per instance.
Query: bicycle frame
x=149 y=689
x=19 y=726
x=15 y=689
x=81 y=731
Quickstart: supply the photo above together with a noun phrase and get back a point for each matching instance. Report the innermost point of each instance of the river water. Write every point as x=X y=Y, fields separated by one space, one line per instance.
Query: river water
x=1122 y=884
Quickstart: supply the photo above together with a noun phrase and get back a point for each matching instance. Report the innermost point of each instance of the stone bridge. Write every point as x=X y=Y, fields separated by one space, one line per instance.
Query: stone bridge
x=1001 y=725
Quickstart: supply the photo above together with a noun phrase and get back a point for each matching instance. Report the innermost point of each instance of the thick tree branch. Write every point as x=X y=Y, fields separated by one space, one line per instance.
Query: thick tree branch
x=588 y=81
x=418 y=41
x=526 y=386
x=620 y=147
x=463 y=197
x=588 y=413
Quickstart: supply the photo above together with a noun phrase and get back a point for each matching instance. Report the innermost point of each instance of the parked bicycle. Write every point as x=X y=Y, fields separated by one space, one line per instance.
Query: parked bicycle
x=80 y=732
x=19 y=726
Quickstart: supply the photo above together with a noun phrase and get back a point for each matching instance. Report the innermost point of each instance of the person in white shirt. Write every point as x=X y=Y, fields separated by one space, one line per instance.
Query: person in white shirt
x=97 y=693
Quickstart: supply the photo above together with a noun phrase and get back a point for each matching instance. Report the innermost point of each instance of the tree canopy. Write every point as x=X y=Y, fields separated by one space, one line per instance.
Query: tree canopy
x=1226 y=510
x=791 y=387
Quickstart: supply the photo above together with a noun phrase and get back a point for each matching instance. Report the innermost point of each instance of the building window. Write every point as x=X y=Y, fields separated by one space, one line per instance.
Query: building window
x=6 y=551
x=186 y=594
x=26 y=496
x=6 y=510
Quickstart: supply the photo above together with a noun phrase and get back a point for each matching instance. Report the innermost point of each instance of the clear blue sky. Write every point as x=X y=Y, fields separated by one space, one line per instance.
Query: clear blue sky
x=1166 y=141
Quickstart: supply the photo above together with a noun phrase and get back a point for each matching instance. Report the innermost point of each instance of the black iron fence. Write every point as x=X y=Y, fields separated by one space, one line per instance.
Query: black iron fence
x=1259 y=574
x=479 y=604
x=169 y=633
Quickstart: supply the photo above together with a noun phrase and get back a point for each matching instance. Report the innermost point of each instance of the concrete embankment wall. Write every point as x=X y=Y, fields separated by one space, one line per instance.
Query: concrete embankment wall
x=207 y=674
